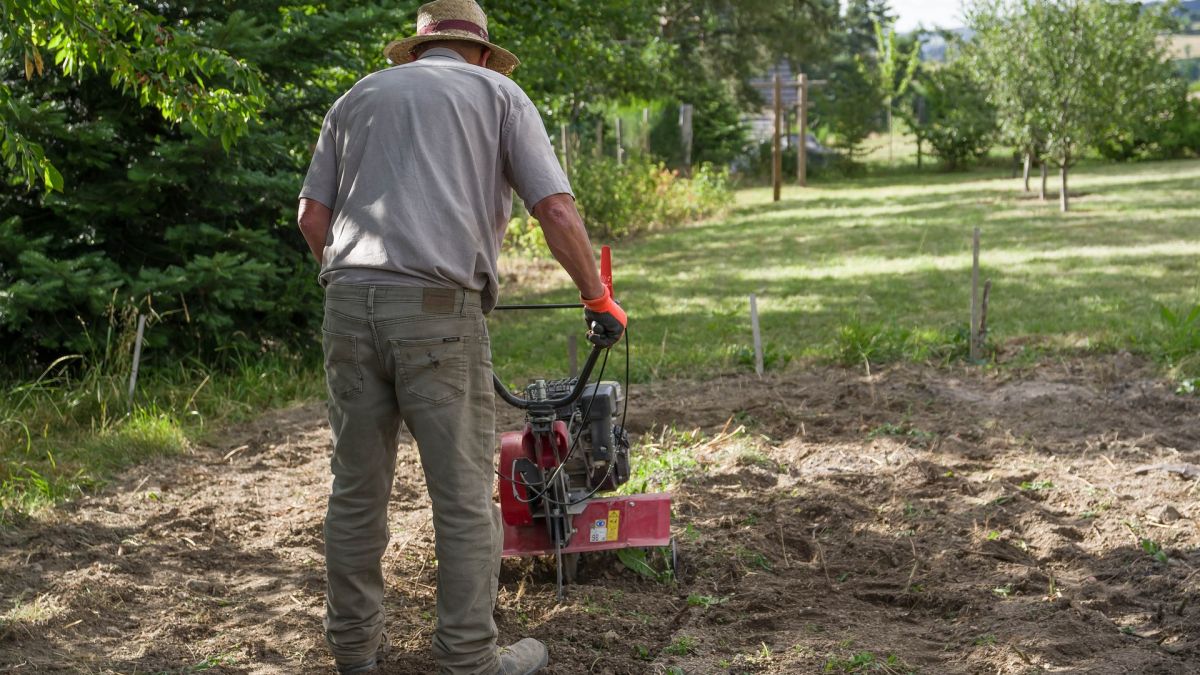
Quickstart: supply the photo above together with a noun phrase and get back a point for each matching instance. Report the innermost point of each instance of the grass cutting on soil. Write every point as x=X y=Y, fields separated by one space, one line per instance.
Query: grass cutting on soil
x=904 y=513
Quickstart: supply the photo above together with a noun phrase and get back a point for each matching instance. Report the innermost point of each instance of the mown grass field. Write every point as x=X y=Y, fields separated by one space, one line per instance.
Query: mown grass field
x=865 y=270
x=882 y=266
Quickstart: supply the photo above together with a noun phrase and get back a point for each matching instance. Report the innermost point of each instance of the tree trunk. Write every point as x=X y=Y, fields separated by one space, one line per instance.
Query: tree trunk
x=1028 y=166
x=1045 y=178
x=1063 y=199
x=918 y=152
x=891 y=135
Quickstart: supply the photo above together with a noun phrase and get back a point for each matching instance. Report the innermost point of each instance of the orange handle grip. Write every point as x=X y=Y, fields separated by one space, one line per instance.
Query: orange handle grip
x=606 y=276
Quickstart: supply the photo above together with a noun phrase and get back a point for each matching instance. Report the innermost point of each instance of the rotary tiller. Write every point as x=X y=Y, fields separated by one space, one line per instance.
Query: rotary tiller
x=573 y=448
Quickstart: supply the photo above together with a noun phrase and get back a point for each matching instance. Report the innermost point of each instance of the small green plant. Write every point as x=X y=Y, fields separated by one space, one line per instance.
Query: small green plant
x=663 y=461
x=753 y=559
x=1003 y=591
x=641 y=652
x=858 y=343
x=1037 y=485
x=1154 y=550
x=993 y=535
x=705 y=601
x=985 y=640
x=1180 y=334
x=681 y=646
x=863 y=662
x=639 y=561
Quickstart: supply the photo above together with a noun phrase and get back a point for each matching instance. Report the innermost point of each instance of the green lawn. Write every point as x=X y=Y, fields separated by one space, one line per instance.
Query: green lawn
x=840 y=263
x=877 y=267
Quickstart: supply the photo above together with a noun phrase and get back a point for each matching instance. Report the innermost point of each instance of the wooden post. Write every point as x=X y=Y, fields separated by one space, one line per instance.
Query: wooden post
x=685 y=124
x=646 y=130
x=573 y=354
x=758 y=349
x=777 y=158
x=137 y=357
x=974 y=331
x=566 y=149
x=620 y=147
x=802 y=143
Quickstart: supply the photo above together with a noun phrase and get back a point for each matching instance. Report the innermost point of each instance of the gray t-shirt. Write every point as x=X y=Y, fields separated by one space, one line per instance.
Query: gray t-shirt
x=418 y=163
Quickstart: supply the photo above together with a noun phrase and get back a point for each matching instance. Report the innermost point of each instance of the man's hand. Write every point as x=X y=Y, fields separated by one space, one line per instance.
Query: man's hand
x=605 y=319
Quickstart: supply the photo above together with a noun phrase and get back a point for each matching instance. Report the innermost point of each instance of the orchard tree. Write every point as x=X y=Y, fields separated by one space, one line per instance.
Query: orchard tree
x=959 y=122
x=1086 y=60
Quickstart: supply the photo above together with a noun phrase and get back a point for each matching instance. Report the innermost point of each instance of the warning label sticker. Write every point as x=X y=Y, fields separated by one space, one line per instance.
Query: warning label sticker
x=599 y=531
x=614 y=525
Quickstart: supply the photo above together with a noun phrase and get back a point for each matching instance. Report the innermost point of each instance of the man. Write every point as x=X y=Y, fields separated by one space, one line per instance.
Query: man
x=404 y=206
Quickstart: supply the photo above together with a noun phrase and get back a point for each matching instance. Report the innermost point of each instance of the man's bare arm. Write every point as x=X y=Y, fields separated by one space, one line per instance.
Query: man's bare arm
x=568 y=241
x=314 y=219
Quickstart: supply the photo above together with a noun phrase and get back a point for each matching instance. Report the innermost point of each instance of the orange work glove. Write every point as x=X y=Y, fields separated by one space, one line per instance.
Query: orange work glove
x=605 y=319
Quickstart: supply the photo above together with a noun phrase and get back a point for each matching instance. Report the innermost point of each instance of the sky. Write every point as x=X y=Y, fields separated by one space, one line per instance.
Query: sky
x=929 y=13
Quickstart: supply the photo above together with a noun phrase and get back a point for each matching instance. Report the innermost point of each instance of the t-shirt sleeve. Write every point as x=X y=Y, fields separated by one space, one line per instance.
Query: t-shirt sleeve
x=529 y=160
x=321 y=182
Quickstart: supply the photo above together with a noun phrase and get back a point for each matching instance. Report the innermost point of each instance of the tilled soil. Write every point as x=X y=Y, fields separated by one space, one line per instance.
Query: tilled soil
x=916 y=520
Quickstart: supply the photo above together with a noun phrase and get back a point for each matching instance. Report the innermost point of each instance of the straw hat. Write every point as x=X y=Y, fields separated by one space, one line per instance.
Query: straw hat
x=452 y=20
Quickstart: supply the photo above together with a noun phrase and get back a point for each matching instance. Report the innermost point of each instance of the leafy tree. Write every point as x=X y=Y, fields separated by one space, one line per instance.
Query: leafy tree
x=718 y=134
x=1083 y=64
x=890 y=72
x=157 y=215
x=733 y=41
x=846 y=109
x=860 y=20
x=170 y=68
x=959 y=122
x=576 y=54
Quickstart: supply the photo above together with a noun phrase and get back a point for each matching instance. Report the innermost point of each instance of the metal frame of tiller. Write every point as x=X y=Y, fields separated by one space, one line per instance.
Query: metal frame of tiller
x=571 y=449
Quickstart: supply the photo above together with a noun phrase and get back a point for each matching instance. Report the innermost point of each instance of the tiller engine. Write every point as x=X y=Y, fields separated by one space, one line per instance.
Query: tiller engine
x=573 y=448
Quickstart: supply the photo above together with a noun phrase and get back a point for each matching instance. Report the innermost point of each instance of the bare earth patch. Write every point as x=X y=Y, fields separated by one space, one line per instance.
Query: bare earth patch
x=920 y=520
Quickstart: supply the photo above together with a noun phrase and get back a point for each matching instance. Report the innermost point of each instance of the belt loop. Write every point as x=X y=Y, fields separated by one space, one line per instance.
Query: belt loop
x=371 y=302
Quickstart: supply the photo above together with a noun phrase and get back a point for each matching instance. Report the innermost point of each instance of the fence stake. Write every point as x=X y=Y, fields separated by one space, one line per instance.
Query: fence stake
x=802 y=142
x=646 y=130
x=758 y=350
x=685 y=124
x=777 y=155
x=137 y=357
x=974 y=331
x=620 y=147
x=573 y=354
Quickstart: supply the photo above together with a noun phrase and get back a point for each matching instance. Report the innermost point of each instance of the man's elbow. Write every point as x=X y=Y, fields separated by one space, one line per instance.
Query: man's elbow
x=313 y=217
x=557 y=211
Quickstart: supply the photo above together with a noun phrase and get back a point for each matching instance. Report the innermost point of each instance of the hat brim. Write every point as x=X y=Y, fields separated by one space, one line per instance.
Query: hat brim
x=502 y=61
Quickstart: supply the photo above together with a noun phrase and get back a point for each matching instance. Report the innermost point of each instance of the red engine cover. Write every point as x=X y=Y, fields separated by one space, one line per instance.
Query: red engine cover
x=516 y=445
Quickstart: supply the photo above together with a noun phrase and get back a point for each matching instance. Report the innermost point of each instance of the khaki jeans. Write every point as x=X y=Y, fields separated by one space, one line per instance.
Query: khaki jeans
x=422 y=357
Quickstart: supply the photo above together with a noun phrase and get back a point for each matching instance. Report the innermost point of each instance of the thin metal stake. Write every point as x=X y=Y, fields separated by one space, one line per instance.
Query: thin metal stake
x=974 y=332
x=137 y=356
x=758 y=351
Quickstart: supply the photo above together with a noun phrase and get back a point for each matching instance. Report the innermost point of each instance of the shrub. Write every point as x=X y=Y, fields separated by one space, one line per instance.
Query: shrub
x=524 y=237
x=642 y=195
x=958 y=123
